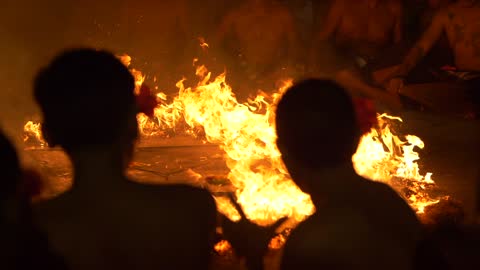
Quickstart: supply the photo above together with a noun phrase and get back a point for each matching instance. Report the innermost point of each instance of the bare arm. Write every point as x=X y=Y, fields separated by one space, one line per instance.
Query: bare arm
x=398 y=30
x=428 y=39
x=327 y=31
x=292 y=36
x=333 y=20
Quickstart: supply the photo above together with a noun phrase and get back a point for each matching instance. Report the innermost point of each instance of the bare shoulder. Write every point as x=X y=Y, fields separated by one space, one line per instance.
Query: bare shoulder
x=178 y=193
x=395 y=6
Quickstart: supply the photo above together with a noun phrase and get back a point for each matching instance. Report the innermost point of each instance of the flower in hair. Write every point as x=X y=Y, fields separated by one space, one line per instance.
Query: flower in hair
x=146 y=101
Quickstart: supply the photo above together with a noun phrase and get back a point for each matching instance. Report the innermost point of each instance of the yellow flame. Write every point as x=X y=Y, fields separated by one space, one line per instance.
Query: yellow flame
x=383 y=156
x=33 y=130
x=246 y=132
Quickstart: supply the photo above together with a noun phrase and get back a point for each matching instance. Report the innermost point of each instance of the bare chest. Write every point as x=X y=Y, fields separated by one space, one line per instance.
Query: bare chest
x=464 y=27
x=463 y=31
x=370 y=24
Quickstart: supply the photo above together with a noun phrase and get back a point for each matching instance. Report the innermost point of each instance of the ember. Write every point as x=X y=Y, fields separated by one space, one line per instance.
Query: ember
x=246 y=132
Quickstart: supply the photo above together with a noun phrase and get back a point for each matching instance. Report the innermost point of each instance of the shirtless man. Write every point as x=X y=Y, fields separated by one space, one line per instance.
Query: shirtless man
x=362 y=29
x=356 y=43
x=261 y=36
x=461 y=22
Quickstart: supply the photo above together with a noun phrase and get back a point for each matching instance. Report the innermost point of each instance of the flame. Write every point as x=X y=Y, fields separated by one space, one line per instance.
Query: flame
x=33 y=130
x=246 y=132
x=247 y=135
x=383 y=156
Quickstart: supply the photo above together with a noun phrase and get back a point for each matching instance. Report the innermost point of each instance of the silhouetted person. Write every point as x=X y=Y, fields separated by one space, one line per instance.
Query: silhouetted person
x=106 y=221
x=260 y=39
x=23 y=246
x=459 y=21
x=358 y=224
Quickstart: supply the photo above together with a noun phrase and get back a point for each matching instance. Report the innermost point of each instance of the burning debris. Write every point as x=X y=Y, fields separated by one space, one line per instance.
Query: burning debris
x=246 y=132
x=33 y=134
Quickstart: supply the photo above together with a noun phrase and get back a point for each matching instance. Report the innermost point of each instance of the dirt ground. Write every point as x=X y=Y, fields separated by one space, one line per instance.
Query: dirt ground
x=450 y=153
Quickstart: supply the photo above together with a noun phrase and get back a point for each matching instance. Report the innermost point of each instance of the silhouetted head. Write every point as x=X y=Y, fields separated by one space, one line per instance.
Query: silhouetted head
x=316 y=126
x=11 y=173
x=87 y=100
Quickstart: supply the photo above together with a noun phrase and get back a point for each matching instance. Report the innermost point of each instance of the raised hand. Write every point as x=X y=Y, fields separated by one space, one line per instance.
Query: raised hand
x=248 y=239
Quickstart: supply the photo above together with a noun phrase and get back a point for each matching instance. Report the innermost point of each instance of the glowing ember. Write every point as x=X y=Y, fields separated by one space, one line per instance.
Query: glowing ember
x=33 y=130
x=246 y=133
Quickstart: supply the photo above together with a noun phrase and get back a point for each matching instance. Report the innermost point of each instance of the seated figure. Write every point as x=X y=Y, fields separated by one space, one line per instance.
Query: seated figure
x=107 y=221
x=459 y=21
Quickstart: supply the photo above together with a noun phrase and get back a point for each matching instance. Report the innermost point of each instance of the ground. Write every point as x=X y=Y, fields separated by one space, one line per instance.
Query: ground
x=450 y=153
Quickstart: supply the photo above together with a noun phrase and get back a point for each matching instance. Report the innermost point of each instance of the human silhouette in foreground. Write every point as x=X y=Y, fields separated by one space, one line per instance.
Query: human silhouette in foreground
x=358 y=224
x=23 y=246
x=106 y=221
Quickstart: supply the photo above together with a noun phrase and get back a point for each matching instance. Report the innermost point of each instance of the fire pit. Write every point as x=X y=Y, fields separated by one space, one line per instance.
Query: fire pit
x=204 y=137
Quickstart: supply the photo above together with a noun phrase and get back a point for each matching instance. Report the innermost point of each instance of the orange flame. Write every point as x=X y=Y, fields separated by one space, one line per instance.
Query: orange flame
x=383 y=156
x=246 y=132
x=33 y=130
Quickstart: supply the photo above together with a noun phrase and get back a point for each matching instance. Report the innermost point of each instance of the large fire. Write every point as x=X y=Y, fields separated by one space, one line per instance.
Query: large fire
x=246 y=132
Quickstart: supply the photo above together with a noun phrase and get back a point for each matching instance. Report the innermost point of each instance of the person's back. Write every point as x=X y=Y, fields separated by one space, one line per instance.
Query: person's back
x=23 y=246
x=106 y=221
x=463 y=31
x=131 y=226
x=358 y=223
x=371 y=228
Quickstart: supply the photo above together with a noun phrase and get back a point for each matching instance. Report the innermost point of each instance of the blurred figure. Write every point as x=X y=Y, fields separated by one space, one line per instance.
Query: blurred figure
x=159 y=39
x=345 y=47
x=364 y=31
x=23 y=246
x=460 y=22
x=358 y=224
x=440 y=54
x=106 y=221
x=260 y=40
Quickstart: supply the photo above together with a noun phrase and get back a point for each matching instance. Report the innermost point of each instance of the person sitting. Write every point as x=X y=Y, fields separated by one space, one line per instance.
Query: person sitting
x=439 y=56
x=459 y=22
x=358 y=223
x=333 y=57
x=261 y=40
x=23 y=245
x=365 y=43
x=107 y=221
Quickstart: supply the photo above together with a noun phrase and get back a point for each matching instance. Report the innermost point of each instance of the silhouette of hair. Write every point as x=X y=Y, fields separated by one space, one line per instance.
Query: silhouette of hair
x=11 y=171
x=85 y=96
x=316 y=124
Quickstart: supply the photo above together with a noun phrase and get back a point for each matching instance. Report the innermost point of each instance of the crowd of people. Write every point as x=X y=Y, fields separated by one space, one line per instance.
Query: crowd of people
x=364 y=45
x=107 y=221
